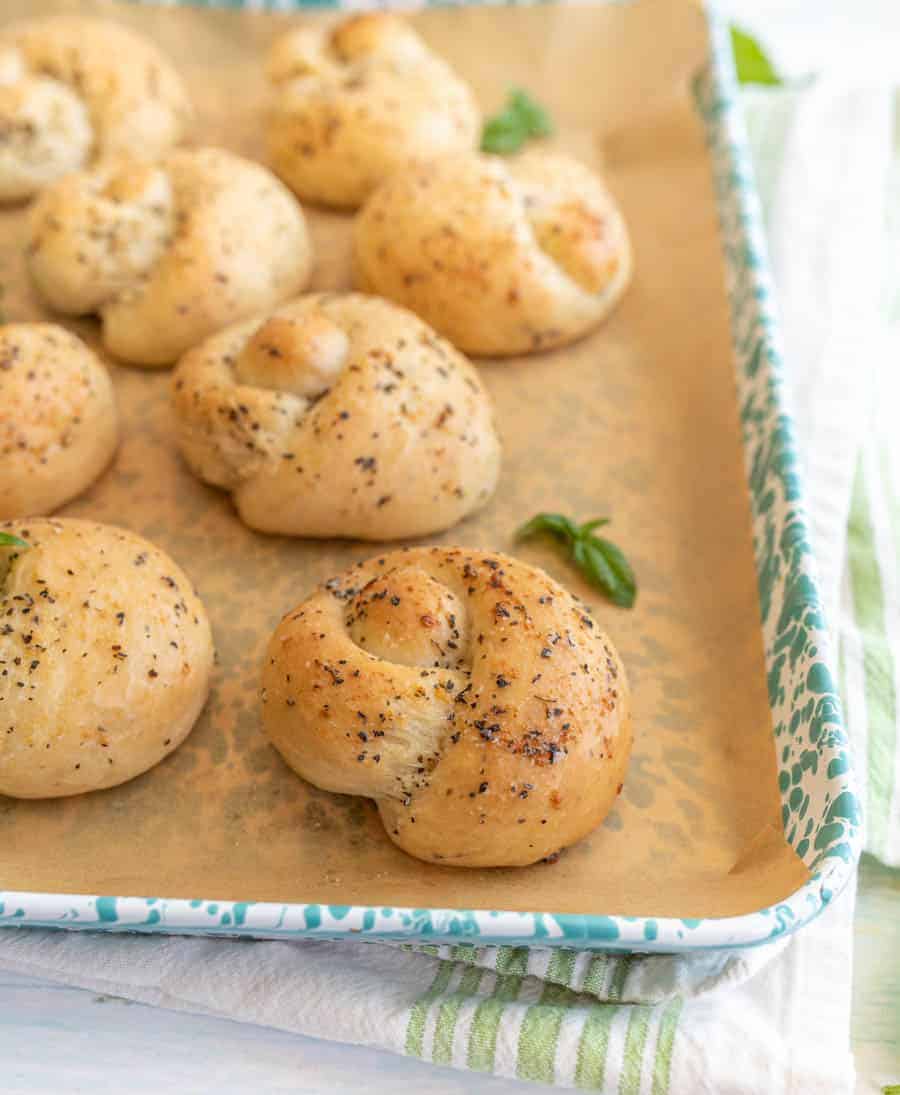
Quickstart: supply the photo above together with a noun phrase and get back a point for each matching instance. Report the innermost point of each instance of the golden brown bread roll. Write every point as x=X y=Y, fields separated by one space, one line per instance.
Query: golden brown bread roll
x=167 y=253
x=106 y=657
x=351 y=104
x=338 y=415
x=58 y=421
x=469 y=694
x=501 y=257
x=74 y=90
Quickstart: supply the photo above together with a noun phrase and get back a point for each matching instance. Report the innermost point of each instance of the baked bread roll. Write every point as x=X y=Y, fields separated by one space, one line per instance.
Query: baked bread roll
x=58 y=419
x=467 y=693
x=106 y=654
x=502 y=257
x=350 y=105
x=74 y=90
x=167 y=253
x=338 y=415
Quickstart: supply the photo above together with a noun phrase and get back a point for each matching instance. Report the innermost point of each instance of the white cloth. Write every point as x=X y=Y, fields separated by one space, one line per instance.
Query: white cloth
x=826 y=224
x=784 y=1031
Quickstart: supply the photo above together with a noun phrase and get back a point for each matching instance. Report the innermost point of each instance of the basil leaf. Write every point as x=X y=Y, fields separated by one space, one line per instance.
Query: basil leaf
x=625 y=586
x=520 y=120
x=750 y=60
x=589 y=526
x=8 y=540
x=600 y=561
x=532 y=115
x=503 y=135
x=600 y=573
x=554 y=523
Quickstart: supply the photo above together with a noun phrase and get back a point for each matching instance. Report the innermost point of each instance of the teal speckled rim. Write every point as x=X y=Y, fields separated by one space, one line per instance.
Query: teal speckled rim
x=820 y=806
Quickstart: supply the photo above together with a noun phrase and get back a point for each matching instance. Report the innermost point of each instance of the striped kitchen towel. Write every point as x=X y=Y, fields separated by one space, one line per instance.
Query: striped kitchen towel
x=774 y=1020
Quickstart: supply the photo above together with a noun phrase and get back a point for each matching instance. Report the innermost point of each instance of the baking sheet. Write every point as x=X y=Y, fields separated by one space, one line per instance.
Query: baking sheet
x=638 y=422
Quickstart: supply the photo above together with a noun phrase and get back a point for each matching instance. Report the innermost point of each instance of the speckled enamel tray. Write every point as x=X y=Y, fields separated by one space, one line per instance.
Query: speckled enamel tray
x=820 y=806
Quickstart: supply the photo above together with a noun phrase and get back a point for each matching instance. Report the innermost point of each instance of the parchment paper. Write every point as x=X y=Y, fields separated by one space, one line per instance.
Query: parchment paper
x=638 y=422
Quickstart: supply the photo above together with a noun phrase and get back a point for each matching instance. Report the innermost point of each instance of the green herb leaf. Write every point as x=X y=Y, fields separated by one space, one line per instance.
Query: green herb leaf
x=891 y=1089
x=751 y=61
x=600 y=573
x=531 y=114
x=623 y=589
x=502 y=135
x=521 y=120
x=555 y=523
x=601 y=561
x=8 y=540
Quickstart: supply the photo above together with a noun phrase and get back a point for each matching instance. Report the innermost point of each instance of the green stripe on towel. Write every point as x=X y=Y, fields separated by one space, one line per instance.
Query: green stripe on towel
x=665 y=1042
x=415 y=1028
x=448 y=1016
x=486 y=1021
x=878 y=662
x=594 y=1046
x=540 y=1027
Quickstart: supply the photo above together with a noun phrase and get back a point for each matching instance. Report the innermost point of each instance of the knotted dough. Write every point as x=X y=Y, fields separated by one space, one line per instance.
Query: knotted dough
x=58 y=421
x=105 y=657
x=500 y=257
x=167 y=253
x=468 y=693
x=338 y=415
x=352 y=104
x=74 y=90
